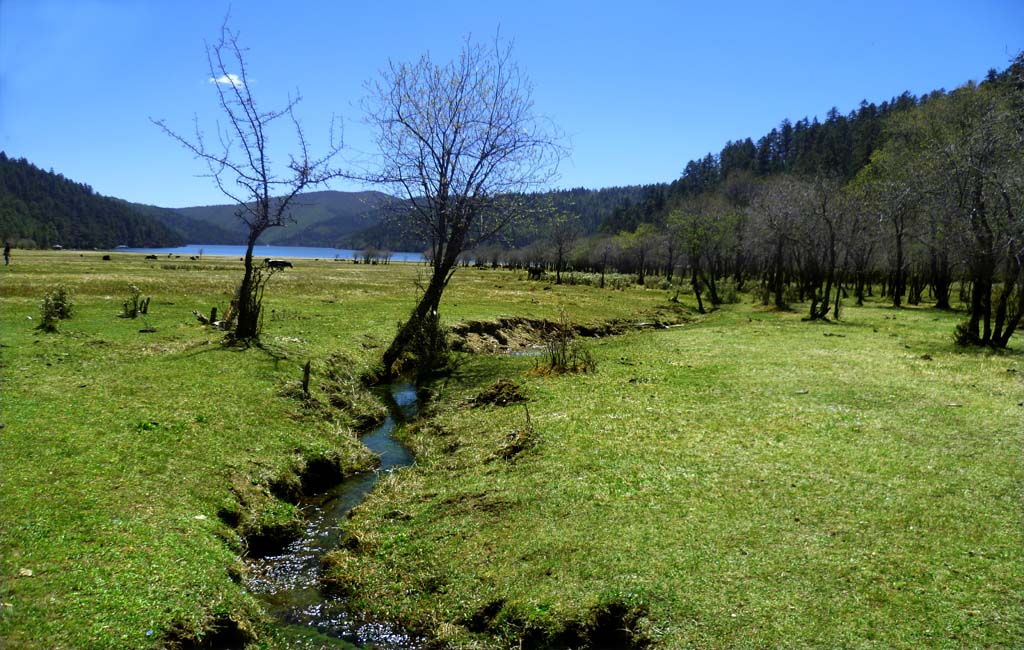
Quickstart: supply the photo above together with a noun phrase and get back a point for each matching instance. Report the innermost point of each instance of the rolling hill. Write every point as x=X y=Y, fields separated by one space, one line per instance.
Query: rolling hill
x=327 y=218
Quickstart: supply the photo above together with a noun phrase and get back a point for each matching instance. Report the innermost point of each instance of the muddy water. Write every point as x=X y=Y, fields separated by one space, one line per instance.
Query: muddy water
x=287 y=583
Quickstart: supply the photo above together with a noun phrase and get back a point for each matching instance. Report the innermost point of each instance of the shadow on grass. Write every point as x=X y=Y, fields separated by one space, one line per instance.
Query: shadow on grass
x=473 y=372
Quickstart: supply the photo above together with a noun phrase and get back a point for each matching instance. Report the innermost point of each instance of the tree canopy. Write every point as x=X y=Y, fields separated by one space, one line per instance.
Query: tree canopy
x=461 y=141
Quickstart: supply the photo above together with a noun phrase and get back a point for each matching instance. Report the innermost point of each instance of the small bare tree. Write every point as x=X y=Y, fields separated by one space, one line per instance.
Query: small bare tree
x=239 y=163
x=460 y=141
x=563 y=231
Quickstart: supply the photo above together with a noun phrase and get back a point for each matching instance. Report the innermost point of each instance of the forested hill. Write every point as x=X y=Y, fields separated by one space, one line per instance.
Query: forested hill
x=43 y=209
x=591 y=207
x=837 y=147
x=191 y=229
x=326 y=218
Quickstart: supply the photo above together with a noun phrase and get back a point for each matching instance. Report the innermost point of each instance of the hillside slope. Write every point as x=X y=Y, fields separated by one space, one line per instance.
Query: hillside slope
x=44 y=209
x=318 y=219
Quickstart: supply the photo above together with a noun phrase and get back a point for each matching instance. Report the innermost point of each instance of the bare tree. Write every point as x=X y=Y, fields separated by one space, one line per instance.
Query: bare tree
x=562 y=233
x=777 y=210
x=603 y=249
x=459 y=141
x=890 y=188
x=826 y=210
x=702 y=226
x=240 y=165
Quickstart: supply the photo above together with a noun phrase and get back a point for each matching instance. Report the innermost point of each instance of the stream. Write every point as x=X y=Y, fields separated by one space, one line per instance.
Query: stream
x=288 y=583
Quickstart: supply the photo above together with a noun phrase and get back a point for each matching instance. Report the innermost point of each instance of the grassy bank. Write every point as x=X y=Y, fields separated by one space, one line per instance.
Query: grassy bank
x=119 y=448
x=747 y=480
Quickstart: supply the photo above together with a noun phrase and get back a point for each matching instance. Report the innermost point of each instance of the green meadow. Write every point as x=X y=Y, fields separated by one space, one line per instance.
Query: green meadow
x=740 y=479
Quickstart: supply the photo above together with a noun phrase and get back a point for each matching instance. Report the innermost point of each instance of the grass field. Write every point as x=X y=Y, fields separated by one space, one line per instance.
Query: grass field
x=745 y=479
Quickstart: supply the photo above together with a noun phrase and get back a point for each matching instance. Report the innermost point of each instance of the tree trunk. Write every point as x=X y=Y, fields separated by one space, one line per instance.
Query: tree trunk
x=445 y=259
x=897 y=281
x=942 y=279
x=713 y=290
x=777 y=276
x=839 y=295
x=826 y=300
x=248 y=319
x=979 y=326
x=1008 y=316
x=695 y=283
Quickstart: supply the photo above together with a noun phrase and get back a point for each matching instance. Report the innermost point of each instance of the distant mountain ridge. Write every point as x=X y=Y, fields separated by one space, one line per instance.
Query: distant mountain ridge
x=326 y=218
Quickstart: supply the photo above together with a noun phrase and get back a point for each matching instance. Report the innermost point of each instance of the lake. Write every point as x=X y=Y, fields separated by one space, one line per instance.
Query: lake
x=262 y=251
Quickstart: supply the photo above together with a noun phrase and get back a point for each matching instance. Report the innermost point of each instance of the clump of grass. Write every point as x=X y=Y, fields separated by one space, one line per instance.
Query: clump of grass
x=339 y=393
x=57 y=305
x=341 y=573
x=564 y=352
x=518 y=440
x=501 y=393
x=214 y=630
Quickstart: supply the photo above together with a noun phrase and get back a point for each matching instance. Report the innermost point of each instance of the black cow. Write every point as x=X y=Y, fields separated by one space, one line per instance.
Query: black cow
x=277 y=264
x=151 y=257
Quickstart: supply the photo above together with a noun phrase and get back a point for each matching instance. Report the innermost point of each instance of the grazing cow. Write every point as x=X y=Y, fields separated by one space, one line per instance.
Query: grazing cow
x=106 y=258
x=151 y=257
x=534 y=273
x=277 y=264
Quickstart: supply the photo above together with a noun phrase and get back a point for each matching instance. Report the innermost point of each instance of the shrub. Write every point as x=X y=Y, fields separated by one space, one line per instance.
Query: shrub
x=791 y=294
x=761 y=294
x=564 y=353
x=135 y=304
x=728 y=293
x=619 y=282
x=962 y=335
x=57 y=305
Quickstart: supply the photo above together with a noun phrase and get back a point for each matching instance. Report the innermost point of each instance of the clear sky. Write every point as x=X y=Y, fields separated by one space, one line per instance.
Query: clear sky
x=641 y=86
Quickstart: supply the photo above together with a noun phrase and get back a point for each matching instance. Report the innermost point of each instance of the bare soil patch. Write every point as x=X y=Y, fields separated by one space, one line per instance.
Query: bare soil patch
x=513 y=334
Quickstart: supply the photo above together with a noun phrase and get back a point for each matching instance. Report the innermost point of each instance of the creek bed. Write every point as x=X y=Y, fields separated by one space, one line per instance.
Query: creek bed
x=288 y=583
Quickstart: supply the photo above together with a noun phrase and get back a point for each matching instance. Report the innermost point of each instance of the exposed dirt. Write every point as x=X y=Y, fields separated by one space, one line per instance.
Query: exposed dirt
x=501 y=393
x=514 y=334
x=221 y=633
x=612 y=626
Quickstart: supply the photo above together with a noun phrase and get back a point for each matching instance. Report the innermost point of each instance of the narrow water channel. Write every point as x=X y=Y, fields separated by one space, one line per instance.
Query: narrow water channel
x=288 y=583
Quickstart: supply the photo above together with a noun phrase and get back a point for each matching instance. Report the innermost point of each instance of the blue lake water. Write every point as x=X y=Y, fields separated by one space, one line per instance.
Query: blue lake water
x=268 y=251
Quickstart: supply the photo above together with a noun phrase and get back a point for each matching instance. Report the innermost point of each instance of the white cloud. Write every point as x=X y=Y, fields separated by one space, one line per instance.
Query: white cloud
x=228 y=79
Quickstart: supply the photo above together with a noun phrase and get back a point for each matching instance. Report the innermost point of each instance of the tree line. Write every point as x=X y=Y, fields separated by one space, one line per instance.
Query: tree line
x=919 y=199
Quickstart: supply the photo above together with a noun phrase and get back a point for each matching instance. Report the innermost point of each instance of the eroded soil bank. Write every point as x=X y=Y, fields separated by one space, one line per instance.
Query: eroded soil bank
x=513 y=334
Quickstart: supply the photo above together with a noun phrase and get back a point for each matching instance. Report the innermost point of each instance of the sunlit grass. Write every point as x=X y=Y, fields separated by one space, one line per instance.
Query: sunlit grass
x=119 y=447
x=748 y=480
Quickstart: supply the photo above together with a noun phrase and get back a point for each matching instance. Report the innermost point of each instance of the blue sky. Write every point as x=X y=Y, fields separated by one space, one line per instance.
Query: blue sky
x=641 y=87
